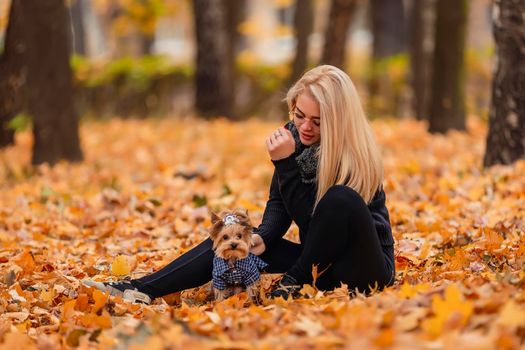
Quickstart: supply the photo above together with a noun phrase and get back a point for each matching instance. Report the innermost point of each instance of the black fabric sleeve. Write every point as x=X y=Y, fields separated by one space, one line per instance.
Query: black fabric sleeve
x=298 y=197
x=276 y=220
x=381 y=217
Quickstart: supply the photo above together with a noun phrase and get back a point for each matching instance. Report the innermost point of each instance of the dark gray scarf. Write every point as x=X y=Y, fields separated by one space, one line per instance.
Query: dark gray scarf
x=305 y=156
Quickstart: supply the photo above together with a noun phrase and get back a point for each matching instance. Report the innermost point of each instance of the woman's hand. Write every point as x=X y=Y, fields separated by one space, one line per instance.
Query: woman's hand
x=280 y=144
x=258 y=247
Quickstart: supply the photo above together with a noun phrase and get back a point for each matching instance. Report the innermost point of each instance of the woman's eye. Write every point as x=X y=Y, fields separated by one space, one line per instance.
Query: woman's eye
x=298 y=116
x=317 y=123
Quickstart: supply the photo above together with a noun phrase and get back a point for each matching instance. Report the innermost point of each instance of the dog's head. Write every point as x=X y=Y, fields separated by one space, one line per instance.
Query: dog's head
x=231 y=233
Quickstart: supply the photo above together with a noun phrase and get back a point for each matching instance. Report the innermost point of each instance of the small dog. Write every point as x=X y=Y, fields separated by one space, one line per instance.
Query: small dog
x=234 y=267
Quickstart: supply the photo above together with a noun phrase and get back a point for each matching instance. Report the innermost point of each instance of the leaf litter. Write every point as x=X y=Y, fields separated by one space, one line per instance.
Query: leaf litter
x=142 y=198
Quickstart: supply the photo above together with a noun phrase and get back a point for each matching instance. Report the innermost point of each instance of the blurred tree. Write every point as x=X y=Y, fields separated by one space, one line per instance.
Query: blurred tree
x=77 y=23
x=49 y=79
x=212 y=77
x=506 y=135
x=341 y=13
x=235 y=13
x=388 y=32
x=303 y=26
x=388 y=28
x=420 y=55
x=447 y=102
x=12 y=74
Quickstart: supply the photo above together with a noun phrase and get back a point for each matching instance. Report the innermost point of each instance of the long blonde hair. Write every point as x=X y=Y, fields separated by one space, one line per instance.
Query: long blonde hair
x=348 y=153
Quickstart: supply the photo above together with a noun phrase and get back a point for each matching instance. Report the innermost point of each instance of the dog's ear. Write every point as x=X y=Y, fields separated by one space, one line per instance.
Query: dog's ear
x=214 y=218
x=242 y=214
x=215 y=229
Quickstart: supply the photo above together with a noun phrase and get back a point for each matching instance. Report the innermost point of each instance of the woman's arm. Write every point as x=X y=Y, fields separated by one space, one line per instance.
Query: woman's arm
x=276 y=220
x=298 y=197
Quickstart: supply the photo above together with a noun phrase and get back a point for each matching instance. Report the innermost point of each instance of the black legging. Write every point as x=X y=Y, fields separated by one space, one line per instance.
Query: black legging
x=341 y=239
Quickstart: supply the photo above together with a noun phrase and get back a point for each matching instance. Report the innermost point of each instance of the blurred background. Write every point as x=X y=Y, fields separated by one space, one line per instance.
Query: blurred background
x=64 y=60
x=138 y=58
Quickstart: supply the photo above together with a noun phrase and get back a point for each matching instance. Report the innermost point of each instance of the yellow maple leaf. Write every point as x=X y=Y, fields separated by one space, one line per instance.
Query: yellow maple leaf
x=120 y=266
x=408 y=291
x=444 y=308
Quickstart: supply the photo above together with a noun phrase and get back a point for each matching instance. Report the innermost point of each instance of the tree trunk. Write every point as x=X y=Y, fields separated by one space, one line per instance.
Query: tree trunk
x=303 y=25
x=77 y=21
x=49 y=78
x=146 y=41
x=506 y=135
x=388 y=29
x=235 y=14
x=419 y=56
x=12 y=73
x=448 y=92
x=388 y=32
x=212 y=78
x=341 y=13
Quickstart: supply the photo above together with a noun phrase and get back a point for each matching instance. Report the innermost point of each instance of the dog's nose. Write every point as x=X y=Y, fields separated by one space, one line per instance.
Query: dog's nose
x=234 y=245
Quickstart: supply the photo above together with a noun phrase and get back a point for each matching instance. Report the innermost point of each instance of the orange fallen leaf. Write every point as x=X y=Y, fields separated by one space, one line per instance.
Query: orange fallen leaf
x=100 y=299
x=385 y=338
x=26 y=261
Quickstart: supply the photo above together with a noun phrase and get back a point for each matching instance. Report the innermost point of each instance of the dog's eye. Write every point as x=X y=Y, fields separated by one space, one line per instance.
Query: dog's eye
x=239 y=236
x=225 y=237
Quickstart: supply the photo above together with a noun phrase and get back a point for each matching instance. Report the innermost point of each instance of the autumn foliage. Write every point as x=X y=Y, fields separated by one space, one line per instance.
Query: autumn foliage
x=142 y=198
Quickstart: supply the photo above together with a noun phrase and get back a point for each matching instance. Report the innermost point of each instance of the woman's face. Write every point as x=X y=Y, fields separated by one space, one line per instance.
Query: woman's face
x=306 y=118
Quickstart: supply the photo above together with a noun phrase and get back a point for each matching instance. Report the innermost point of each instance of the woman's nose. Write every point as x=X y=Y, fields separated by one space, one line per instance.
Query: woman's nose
x=307 y=125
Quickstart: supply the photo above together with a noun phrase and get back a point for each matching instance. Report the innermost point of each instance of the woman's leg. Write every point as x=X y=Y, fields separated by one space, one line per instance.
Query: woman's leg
x=281 y=256
x=194 y=268
x=189 y=270
x=342 y=240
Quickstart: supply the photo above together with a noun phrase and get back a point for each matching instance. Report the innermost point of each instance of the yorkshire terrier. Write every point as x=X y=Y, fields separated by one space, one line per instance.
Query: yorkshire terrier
x=235 y=269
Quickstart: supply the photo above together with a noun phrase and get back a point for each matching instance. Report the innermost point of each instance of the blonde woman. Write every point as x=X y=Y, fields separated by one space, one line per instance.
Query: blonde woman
x=328 y=180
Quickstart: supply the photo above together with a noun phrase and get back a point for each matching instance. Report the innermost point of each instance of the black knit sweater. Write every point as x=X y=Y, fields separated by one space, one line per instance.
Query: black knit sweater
x=292 y=199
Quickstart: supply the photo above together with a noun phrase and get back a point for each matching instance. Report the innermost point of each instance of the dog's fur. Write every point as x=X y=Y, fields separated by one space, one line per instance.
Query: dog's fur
x=232 y=243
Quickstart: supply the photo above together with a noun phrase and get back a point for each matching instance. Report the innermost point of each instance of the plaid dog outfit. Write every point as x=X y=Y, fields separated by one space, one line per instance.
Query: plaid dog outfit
x=245 y=271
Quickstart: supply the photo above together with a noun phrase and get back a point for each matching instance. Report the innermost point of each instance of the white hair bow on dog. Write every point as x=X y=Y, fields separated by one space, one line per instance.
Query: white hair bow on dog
x=230 y=219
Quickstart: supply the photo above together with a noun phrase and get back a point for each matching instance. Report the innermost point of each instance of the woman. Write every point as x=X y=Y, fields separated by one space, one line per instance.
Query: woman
x=327 y=179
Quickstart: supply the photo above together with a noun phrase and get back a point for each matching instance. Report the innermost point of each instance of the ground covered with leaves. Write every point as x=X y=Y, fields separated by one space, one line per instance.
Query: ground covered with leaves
x=142 y=198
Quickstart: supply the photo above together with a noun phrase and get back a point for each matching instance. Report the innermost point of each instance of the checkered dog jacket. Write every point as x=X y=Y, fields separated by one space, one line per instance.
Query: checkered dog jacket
x=245 y=272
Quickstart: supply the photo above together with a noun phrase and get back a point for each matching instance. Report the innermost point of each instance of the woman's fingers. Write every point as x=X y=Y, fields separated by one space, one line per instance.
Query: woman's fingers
x=288 y=133
x=280 y=144
x=258 y=246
